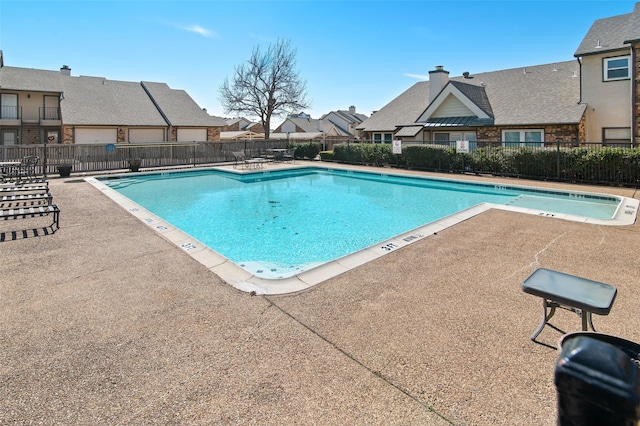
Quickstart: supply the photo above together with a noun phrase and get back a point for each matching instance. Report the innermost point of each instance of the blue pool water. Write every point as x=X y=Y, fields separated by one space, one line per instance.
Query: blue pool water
x=291 y=220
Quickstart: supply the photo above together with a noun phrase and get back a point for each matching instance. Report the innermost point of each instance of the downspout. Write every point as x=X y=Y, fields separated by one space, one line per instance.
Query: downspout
x=634 y=92
x=580 y=67
x=579 y=102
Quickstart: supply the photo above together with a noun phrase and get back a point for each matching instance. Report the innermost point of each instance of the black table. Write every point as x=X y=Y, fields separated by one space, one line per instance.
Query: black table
x=560 y=290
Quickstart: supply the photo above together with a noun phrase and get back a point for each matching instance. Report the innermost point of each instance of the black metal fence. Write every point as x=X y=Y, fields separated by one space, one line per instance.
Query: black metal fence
x=572 y=162
x=560 y=161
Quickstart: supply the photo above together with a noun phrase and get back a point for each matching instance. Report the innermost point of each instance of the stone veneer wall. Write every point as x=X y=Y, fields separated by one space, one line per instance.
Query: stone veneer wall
x=67 y=134
x=213 y=133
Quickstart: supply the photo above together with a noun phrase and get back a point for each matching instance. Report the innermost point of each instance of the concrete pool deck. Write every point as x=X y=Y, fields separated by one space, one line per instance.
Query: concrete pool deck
x=107 y=322
x=260 y=282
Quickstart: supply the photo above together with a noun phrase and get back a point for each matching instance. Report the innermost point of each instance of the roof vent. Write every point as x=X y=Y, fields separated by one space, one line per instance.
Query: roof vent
x=598 y=45
x=466 y=74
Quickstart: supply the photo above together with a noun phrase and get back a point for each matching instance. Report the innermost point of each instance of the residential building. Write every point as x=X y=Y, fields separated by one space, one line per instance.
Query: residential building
x=530 y=104
x=595 y=98
x=346 y=120
x=242 y=124
x=38 y=105
x=303 y=123
x=610 y=70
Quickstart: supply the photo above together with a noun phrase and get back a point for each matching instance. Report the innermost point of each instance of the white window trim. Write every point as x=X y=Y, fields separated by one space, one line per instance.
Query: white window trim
x=606 y=69
x=383 y=137
x=522 y=137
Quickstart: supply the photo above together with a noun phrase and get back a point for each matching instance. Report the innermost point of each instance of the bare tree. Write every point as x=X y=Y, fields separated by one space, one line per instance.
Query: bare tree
x=267 y=85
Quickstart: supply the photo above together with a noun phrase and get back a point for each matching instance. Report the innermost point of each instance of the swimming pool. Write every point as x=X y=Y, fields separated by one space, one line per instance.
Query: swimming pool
x=280 y=224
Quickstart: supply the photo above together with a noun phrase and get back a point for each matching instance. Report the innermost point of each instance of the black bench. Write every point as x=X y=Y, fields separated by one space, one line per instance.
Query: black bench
x=25 y=200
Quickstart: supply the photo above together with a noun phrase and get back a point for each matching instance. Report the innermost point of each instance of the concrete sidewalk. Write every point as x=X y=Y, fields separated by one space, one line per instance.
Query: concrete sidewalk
x=105 y=322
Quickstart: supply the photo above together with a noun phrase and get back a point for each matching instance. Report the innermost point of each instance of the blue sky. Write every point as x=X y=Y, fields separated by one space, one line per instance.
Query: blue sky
x=362 y=53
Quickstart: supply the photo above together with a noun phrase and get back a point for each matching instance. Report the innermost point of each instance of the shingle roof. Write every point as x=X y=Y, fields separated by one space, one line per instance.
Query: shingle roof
x=476 y=94
x=605 y=35
x=313 y=125
x=178 y=107
x=536 y=95
x=404 y=109
x=634 y=24
x=98 y=101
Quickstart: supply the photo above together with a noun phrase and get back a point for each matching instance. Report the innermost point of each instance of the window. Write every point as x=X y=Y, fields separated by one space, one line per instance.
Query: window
x=523 y=137
x=382 y=137
x=441 y=137
x=457 y=136
x=8 y=137
x=9 y=106
x=616 y=136
x=616 y=68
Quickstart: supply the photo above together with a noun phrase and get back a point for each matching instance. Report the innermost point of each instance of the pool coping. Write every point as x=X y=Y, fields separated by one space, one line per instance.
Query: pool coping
x=246 y=281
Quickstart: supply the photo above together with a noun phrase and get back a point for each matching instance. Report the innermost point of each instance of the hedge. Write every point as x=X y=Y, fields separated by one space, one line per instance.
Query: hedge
x=604 y=165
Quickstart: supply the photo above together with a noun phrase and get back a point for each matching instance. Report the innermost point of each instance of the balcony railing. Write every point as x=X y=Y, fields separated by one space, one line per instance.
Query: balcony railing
x=50 y=113
x=10 y=112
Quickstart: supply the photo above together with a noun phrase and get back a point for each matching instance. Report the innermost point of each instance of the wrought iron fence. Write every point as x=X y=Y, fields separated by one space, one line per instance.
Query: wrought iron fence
x=560 y=161
x=572 y=162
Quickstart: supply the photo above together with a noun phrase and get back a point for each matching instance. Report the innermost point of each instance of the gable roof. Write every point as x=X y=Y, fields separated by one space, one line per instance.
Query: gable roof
x=232 y=121
x=178 y=107
x=346 y=116
x=537 y=95
x=404 y=109
x=610 y=34
x=453 y=99
x=605 y=34
x=97 y=101
x=313 y=125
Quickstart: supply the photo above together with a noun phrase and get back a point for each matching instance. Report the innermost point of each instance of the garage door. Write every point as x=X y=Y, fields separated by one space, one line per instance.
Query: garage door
x=146 y=135
x=96 y=136
x=190 y=135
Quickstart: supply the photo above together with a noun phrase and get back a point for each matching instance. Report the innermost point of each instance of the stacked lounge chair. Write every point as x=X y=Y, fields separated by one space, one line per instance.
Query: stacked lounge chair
x=24 y=194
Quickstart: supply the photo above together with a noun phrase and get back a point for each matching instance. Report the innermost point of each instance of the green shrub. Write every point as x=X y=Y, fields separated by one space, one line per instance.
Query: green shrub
x=616 y=166
x=326 y=155
x=306 y=150
x=348 y=153
x=429 y=157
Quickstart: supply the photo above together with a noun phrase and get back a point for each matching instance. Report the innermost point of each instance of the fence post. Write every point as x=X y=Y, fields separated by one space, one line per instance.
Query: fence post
x=44 y=159
x=558 y=159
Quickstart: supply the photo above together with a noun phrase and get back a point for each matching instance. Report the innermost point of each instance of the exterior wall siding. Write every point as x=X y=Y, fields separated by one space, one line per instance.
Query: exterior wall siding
x=608 y=102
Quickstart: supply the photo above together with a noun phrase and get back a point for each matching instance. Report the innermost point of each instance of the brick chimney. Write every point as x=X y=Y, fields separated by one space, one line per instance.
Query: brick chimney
x=438 y=78
x=65 y=70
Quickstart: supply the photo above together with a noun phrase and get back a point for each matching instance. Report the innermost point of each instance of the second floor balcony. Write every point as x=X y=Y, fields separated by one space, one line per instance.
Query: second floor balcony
x=13 y=115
